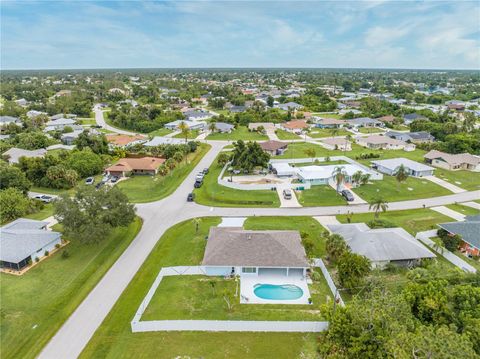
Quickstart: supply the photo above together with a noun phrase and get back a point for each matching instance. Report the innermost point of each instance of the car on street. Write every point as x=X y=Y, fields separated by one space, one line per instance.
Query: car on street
x=348 y=195
x=199 y=177
x=198 y=184
x=190 y=197
x=205 y=171
x=44 y=198
x=90 y=180
x=287 y=193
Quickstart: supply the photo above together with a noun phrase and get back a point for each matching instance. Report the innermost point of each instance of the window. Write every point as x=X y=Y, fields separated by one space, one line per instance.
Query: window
x=249 y=270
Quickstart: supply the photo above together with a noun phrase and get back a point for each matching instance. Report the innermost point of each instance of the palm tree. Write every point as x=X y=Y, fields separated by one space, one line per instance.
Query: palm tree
x=334 y=131
x=348 y=138
x=339 y=174
x=401 y=175
x=365 y=178
x=184 y=129
x=311 y=152
x=212 y=127
x=378 y=204
x=335 y=246
x=357 y=177
x=170 y=163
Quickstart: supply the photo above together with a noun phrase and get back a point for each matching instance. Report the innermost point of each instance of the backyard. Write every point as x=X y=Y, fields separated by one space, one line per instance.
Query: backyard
x=182 y=245
x=141 y=189
x=239 y=133
x=413 y=221
x=213 y=194
x=35 y=305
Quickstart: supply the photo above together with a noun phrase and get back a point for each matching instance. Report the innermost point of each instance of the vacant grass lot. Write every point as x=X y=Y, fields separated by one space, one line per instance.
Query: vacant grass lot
x=467 y=211
x=141 y=189
x=390 y=190
x=286 y=135
x=160 y=132
x=240 y=133
x=213 y=194
x=322 y=195
x=324 y=132
x=413 y=221
x=464 y=179
x=370 y=130
x=180 y=245
x=192 y=297
x=35 y=305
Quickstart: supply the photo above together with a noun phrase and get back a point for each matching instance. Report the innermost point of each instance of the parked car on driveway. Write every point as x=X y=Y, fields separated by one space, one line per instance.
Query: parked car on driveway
x=114 y=179
x=106 y=178
x=190 y=197
x=287 y=193
x=44 y=198
x=90 y=180
x=347 y=195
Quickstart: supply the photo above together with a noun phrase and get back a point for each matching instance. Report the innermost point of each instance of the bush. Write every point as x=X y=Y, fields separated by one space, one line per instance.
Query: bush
x=46 y=253
x=65 y=254
x=381 y=223
x=57 y=245
x=37 y=259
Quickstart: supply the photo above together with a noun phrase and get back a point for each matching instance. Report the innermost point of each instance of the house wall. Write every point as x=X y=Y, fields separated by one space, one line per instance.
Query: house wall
x=218 y=271
x=49 y=247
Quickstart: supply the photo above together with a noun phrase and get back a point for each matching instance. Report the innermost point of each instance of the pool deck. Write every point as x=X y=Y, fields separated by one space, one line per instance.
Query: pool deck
x=248 y=282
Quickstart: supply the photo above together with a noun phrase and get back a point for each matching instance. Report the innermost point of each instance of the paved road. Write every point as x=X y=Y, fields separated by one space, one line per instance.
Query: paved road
x=157 y=217
x=101 y=122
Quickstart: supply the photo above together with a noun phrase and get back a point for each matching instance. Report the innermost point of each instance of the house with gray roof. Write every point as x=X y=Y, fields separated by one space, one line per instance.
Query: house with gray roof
x=469 y=231
x=232 y=250
x=24 y=240
x=382 y=245
x=14 y=154
x=161 y=140
x=364 y=122
x=391 y=166
x=224 y=127
x=414 y=137
x=409 y=118
x=289 y=106
x=59 y=124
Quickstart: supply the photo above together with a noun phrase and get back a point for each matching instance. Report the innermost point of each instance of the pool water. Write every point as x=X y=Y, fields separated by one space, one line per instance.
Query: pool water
x=277 y=292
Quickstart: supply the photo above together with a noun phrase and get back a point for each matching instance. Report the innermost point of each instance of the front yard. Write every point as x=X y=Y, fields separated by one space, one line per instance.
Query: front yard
x=286 y=135
x=193 y=134
x=239 y=133
x=141 y=189
x=182 y=245
x=467 y=211
x=464 y=179
x=322 y=195
x=413 y=221
x=35 y=305
x=325 y=132
x=213 y=194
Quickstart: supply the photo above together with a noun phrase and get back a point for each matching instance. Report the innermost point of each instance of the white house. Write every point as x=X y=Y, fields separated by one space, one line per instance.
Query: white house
x=414 y=169
x=192 y=125
x=59 y=124
x=383 y=245
x=322 y=175
x=24 y=240
x=376 y=142
x=14 y=154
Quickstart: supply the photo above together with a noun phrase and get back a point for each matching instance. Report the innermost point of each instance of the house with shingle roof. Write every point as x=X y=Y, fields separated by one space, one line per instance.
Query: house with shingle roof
x=24 y=240
x=414 y=137
x=14 y=154
x=453 y=162
x=469 y=232
x=414 y=169
x=138 y=166
x=335 y=143
x=383 y=245
x=296 y=126
x=245 y=252
x=376 y=142
x=274 y=147
x=119 y=140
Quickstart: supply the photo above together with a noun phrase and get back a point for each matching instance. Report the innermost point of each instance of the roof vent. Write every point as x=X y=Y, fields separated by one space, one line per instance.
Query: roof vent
x=249 y=236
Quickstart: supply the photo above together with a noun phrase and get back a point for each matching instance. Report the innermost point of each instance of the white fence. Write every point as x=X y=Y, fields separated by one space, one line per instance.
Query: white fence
x=336 y=294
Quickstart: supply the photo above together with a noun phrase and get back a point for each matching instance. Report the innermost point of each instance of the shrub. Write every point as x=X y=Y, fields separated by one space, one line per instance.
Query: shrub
x=46 y=253
x=57 y=245
x=380 y=223
x=65 y=254
x=37 y=259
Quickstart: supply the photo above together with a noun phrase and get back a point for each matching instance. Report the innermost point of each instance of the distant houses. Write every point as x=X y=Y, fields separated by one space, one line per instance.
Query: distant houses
x=453 y=162
x=409 y=118
x=192 y=125
x=414 y=137
x=14 y=154
x=383 y=245
x=376 y=142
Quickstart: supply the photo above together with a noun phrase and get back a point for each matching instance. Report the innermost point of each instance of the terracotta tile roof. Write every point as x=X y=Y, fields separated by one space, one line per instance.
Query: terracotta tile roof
x=296 y=124
x=123 y=140
x=130 y=164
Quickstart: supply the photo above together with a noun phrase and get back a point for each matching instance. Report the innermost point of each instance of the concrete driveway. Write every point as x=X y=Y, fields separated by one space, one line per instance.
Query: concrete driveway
x=445 y=184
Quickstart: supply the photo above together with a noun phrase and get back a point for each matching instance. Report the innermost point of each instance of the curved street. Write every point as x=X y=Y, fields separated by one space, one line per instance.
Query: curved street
x=157 y=217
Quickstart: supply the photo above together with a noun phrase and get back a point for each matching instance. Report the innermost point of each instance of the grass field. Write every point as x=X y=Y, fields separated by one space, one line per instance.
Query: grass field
x=240 y=133
x=392 y=191
x=286 y=135
x=86 y=121
x=192 y=297
x=141 y=189
x=464 y=179
x=180 y=245
x=370 y=130
x=467 y=211
x=213 y=194
x=35 y=305
x=160 y=132
x=322 y=195
x=325 y=132
x=45 y=212
x=413 y=221
x=191 y=135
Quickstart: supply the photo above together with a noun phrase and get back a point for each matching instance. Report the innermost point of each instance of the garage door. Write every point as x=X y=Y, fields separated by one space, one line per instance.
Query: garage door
x=272 y=271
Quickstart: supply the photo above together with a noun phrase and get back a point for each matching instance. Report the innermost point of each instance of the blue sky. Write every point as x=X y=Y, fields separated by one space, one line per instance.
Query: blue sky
x=109 y=34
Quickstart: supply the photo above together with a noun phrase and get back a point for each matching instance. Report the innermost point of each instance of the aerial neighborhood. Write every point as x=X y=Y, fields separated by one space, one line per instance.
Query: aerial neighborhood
x=223 y=204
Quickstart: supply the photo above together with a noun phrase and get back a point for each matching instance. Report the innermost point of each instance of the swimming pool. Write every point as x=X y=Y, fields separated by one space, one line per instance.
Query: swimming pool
x=277 y=292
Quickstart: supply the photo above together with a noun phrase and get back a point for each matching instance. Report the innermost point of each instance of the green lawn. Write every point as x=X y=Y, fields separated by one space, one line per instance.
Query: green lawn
x=464 y=179
x=213 y=194
x=191 y=135
x=87 y=121
x=160 y=132
x=180 y=245
x=370 y=130
x=141 y=189
x=35 y=305
x=192 y=297
x=322 y=195
x=467 y=211
x=325 y=132
x=299 y=223
x=413 y=221
x=45 y=212
x=240 y=133
x=392 y=191
x=327 y=115
x=286 y=135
